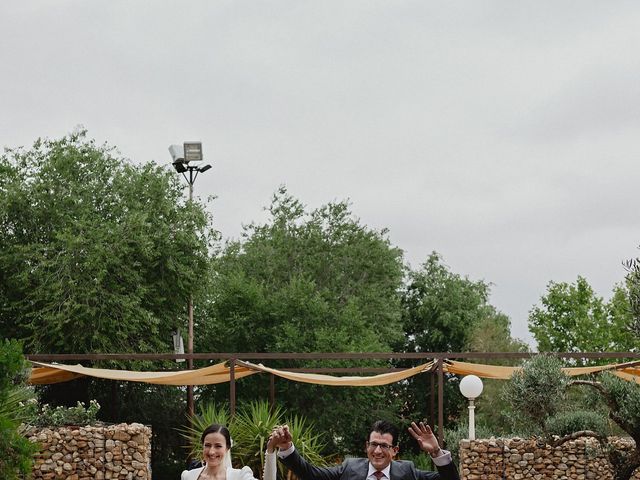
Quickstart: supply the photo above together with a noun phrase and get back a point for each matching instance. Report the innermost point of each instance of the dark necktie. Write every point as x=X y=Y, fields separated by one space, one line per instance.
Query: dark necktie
x=378 y=474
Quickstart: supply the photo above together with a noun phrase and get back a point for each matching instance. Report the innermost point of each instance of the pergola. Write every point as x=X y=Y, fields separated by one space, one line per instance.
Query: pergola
x=239 y=364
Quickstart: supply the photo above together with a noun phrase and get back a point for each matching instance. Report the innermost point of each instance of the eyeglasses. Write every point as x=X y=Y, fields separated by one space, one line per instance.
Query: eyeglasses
x=383 y=446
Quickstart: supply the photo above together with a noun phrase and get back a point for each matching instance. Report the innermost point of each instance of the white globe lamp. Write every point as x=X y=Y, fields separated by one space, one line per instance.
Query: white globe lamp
x=471 y=387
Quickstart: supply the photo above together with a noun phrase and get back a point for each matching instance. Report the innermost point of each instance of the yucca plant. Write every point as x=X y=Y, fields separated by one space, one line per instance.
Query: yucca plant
x=250 y=429
x=307 y=442
x=15 y=404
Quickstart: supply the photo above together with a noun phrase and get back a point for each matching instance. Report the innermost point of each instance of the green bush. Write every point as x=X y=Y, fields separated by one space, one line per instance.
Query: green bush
x=59 y=416
x=566 y=423
x=16 y=452
x=536 y=392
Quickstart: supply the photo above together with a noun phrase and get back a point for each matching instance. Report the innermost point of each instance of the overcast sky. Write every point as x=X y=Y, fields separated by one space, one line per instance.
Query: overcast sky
x=503 y=135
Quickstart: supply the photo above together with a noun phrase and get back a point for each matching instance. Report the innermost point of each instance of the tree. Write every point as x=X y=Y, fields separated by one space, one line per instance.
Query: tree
x=308 y=281
x=573 y=318
x=493 y=334
x=98 y=255
x=632 y=283
x=537 y=393
x=441 y=308
x=538 y=396
x=444 y=311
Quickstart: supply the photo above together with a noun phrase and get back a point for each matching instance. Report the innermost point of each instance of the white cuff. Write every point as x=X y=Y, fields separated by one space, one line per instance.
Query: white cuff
x=287 y=452
x=443 y=459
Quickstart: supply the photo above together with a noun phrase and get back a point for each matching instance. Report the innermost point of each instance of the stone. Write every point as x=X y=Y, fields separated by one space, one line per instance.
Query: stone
x=121 y=435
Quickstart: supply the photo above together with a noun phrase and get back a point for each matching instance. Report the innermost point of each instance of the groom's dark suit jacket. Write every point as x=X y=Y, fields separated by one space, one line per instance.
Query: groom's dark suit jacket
x=358 y=468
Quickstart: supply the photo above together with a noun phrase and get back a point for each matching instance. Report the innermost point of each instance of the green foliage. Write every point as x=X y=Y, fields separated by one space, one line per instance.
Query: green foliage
x=632 y=282
x=441 y=308
x=572 y=318
x=307 y=281
x=98 y=255
x=14 y=370
x=19 y=405
x=536 y=392
x=624 y=398
x=445 y=311
x=15 y=450
x=492 y=333
x=537 y=395
x=566 y=423
x=250 y=429
x=57 y=416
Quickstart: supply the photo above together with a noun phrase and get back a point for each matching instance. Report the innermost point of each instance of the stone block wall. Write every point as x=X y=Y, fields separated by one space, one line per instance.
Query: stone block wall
x=519 y=459
x=110 y=452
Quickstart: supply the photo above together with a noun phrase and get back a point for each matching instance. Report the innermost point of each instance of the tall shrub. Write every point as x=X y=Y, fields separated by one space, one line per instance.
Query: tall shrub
x=15 y=450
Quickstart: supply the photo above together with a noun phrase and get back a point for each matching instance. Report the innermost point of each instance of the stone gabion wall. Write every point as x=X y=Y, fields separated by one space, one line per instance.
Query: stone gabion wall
x=519 y=459
x=115 y=452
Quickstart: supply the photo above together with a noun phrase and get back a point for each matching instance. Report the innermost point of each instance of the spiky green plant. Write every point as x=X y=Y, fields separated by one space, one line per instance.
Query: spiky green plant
x=15 y=404
x=250 y=429
x=16 y=452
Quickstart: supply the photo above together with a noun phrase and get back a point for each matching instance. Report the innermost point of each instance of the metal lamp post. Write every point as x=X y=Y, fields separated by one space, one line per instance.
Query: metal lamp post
x=182 y=157
x=471 y=387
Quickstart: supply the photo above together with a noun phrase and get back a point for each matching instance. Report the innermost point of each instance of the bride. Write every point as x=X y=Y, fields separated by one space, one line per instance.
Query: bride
x=216 y=455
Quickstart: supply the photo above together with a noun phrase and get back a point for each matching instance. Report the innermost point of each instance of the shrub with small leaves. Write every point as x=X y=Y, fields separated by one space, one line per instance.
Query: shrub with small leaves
x=58 y=416
x=566 y=423
x=536 y=392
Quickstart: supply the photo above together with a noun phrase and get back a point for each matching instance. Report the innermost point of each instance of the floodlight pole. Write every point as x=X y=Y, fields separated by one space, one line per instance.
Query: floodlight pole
x=191 y=151
x=193 y=173
x=190 y=400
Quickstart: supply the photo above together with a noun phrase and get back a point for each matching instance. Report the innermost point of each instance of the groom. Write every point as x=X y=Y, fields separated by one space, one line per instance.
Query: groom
x=381 y=447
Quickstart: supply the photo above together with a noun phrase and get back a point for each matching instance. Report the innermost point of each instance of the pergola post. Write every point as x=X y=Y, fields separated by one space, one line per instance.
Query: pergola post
x=232 y=386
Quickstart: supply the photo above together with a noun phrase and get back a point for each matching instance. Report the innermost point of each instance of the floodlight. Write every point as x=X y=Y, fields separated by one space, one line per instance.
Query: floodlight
x=192 y=151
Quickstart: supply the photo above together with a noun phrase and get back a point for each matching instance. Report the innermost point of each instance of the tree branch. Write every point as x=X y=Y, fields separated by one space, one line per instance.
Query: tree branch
x=581 y=434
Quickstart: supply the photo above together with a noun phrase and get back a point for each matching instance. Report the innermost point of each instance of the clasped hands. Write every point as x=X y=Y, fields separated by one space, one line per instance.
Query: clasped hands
x=280 y=438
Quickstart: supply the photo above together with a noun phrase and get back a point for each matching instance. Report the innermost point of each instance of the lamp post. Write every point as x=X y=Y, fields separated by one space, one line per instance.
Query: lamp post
x=471 y=387
x=182 y=157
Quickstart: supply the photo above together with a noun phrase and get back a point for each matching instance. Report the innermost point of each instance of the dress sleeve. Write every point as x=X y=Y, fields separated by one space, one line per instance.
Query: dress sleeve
x=245 y=473
x=270 y=466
